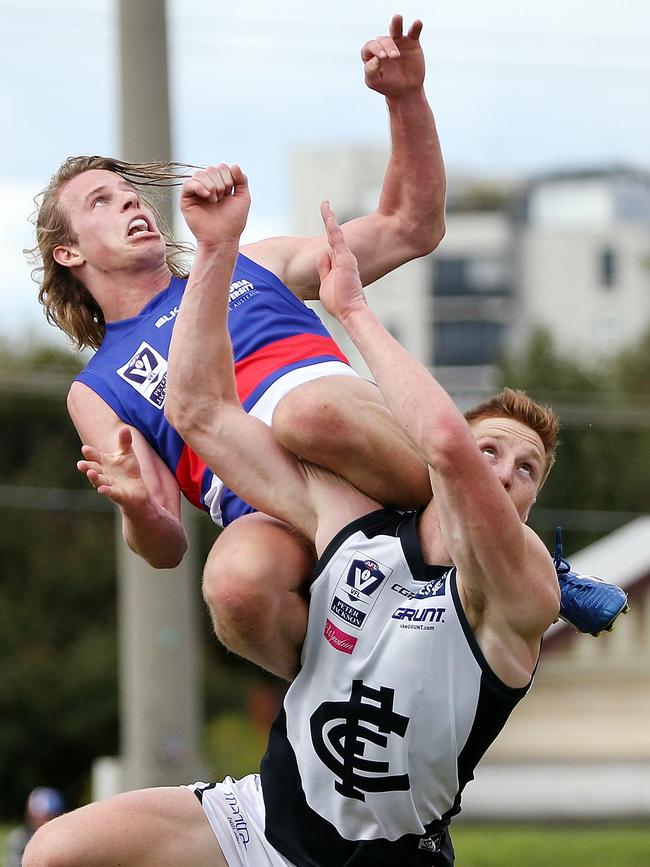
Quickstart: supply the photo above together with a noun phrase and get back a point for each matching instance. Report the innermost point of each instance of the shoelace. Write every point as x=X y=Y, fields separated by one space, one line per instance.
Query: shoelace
x=561 y=565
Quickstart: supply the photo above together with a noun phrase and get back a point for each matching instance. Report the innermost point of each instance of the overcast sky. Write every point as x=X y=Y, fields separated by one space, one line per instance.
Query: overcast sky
x=516 y=88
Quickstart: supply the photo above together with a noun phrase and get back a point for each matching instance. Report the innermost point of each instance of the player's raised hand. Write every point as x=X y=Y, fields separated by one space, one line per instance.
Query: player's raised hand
x=115 y=475
x=215 y=203
x=340 y=284
x=394 y=64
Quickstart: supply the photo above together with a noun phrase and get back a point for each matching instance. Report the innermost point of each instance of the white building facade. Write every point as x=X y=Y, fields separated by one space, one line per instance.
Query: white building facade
x=568 y=251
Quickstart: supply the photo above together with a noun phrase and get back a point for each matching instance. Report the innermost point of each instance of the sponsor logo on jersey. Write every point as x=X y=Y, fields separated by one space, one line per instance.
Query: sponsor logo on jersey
x=146 y=371
x=437 y=587
x=419 y=618
x=403 y=591
x=240 y=291
x=351 y=740
x=166 y=317
x=358 y=588
x=338 y=639
x=237 y=821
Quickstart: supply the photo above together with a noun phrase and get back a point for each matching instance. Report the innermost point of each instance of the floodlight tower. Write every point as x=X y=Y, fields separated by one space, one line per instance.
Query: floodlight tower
x=159 y=671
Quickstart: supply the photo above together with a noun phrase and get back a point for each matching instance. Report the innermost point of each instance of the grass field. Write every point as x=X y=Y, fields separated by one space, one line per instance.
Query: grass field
x=552 y=846
x=538 y=846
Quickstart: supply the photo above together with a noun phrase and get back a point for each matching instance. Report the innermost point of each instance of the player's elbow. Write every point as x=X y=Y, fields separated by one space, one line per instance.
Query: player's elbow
x=185 y=411
x=176 y=409
x=445 y=449
x=160 y=548
x=420 y=235
x=168 y=559
x=433 y=235
x=426 y=233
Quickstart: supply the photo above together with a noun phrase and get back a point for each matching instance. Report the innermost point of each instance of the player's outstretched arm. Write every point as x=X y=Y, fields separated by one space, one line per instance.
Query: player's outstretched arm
x=412 y=199
x=202 y=401
x=498 y=556
x=410 y=217
x=123 y=467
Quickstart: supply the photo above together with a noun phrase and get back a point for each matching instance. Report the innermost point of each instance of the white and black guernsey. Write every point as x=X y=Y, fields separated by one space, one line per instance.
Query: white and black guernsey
x=392 y=710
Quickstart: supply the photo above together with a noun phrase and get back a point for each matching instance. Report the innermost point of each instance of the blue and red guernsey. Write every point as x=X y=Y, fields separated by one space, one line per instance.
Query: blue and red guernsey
x=273 y=334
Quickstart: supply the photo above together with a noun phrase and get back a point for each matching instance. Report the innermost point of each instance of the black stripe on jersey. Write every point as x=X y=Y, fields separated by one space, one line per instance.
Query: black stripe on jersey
x=383 y=522
x=509 y=693
x=492 y=712
x=205 y=788
x=308 y=840
x=408 y=536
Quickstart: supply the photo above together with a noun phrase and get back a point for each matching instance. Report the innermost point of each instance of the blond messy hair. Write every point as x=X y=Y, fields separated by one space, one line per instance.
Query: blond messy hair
x=66 y=301
x=511 y=403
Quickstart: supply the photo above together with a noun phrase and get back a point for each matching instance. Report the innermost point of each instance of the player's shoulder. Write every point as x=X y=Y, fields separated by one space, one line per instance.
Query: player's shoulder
x=540 y=581
x=291 y=259
x=537 y=554
x=84 y=403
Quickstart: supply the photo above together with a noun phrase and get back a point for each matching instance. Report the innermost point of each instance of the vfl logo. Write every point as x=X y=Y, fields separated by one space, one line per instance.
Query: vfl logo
x=356 y=591
x=364 y=577
x=341 y=748
x=146 y=371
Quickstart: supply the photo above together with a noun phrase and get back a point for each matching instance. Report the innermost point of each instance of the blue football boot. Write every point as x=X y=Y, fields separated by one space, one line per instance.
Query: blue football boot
x=588 y=604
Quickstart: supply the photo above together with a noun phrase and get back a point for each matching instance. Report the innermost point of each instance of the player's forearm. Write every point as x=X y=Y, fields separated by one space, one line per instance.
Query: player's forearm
x=203 y=405
x=155 y=534
x=424 y=410
x=414 y=185
x=200 y=373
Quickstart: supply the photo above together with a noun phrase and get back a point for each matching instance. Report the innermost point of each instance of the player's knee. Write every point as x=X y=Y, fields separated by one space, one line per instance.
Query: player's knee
x=311 y=422
x=238 y=601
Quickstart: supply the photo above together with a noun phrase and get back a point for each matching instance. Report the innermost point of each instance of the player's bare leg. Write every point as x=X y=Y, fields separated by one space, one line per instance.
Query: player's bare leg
x=254 y=583
x=161 y=827
x=343 y=424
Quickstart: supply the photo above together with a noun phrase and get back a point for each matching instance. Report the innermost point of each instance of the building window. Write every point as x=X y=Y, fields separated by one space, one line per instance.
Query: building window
x=607 y=267
x=466 y=343
x=450 y=276
x=465 y=275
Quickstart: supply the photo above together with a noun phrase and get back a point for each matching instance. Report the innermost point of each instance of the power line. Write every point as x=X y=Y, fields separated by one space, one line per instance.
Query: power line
x=583 y=520
x=625 y=412
x=53 y=499
x=47 y=383
x=75 y=500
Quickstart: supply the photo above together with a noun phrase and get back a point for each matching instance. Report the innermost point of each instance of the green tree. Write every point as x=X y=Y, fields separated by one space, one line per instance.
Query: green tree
x=602 y=472
x=58 y=633
x=58 y=705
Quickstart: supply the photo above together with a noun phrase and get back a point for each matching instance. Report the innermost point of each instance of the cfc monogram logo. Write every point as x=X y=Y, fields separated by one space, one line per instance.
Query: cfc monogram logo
x=341 y=731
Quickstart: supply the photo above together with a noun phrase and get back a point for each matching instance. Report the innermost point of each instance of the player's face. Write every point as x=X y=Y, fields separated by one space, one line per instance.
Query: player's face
x=516 y=454
x=113 y=229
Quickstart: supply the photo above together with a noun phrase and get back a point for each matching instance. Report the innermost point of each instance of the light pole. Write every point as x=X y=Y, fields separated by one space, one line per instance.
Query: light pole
x=160 y=706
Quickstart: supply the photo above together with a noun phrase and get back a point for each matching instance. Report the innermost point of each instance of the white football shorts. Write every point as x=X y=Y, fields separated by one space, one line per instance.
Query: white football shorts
x=235 y=811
